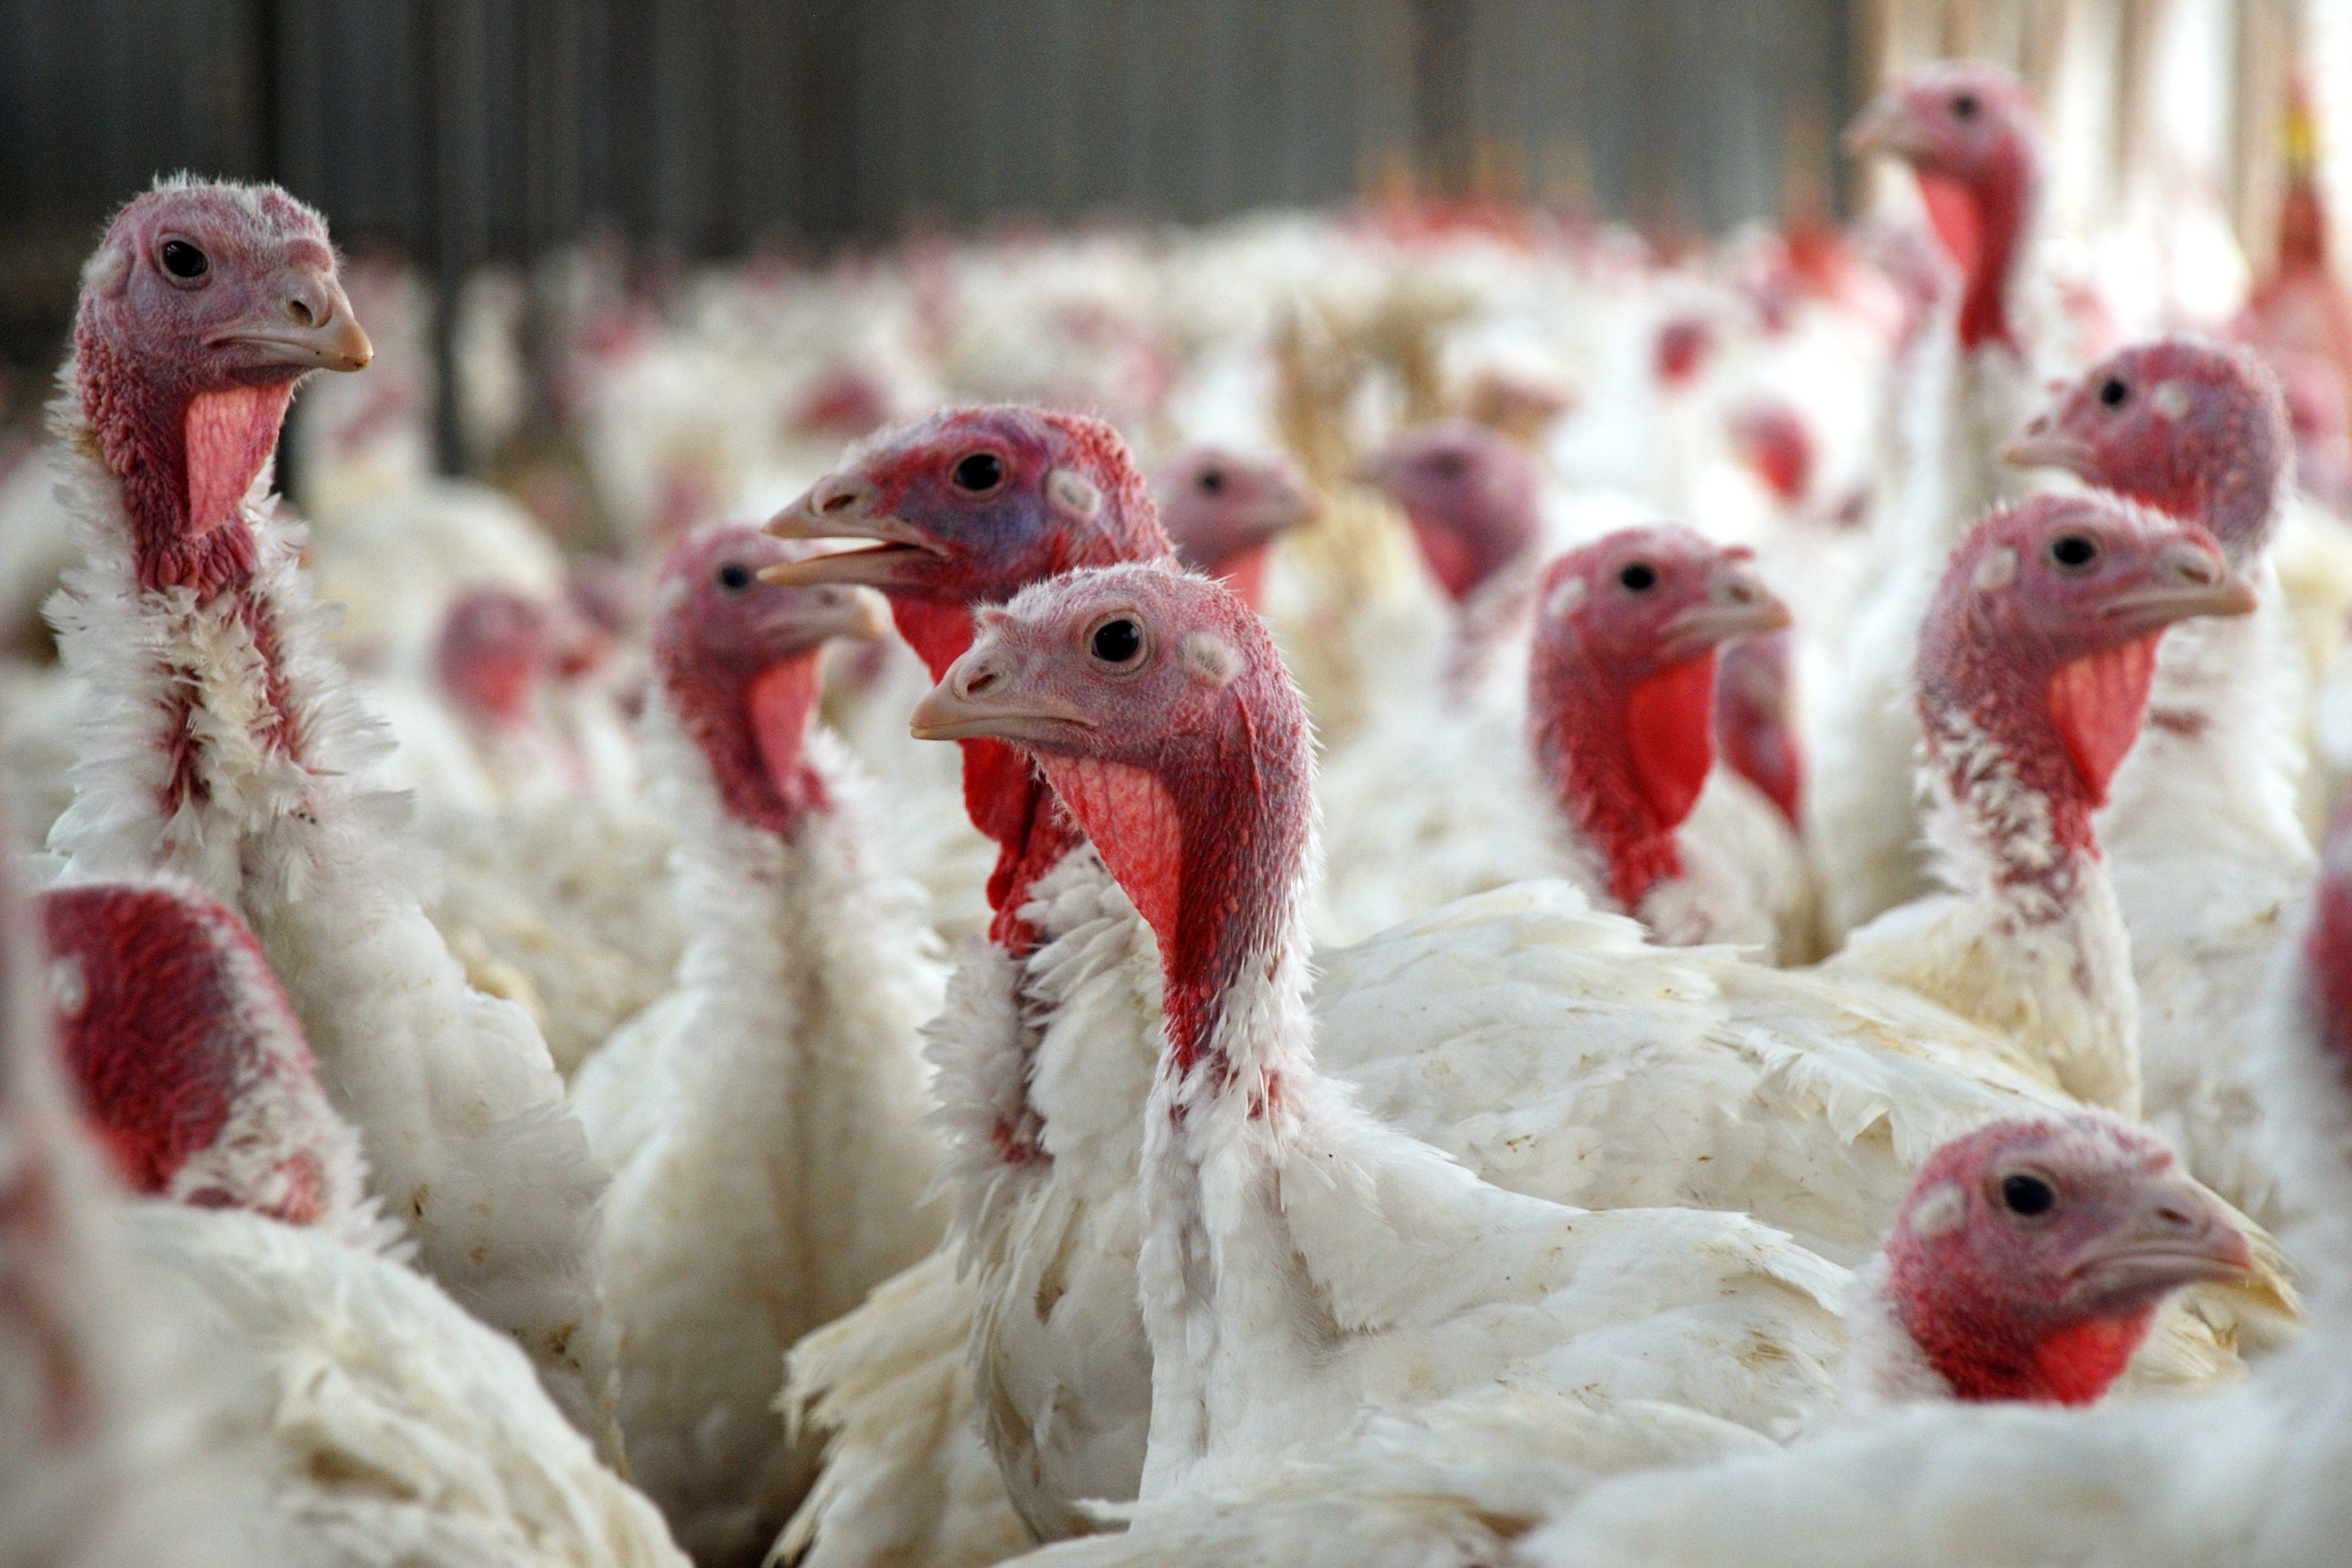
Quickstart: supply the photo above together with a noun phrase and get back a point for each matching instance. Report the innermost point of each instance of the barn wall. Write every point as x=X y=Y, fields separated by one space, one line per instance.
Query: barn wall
x=460 y=129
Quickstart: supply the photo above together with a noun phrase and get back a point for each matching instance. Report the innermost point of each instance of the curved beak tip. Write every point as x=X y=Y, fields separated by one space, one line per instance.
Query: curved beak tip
x=356 y=351
x=935 y=715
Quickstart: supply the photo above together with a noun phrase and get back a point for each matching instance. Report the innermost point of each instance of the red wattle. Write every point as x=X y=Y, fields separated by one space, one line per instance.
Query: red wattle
x=2077 y=1365
x=939 y=632
x=2097 y=704
x=1957 y=217
x=1450 y=558
x=1245 y=574
x=1131 y=820
x=230 y=434
x=780 y=703
x=1670 y=732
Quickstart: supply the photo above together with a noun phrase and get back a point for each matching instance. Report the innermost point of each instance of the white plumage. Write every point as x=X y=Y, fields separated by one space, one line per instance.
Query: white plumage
x=453 y=1092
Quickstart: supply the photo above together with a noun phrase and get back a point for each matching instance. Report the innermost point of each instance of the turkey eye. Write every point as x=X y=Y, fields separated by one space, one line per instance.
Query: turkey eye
x=734 y=577
x=2113 y=392
x=979 y=472
x=1119 y=641
x=1446 y=465
x=1640 y=577
x=1213 y=481
x=182 y=259
x=2073 y=551
x=2028 y=1196
x=1965 y=106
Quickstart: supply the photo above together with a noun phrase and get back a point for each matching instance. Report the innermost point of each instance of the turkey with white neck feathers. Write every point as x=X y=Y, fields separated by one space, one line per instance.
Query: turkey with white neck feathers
x=2203 y=836
x=223 y=743
x=763 y=1122
x=2033 y=670
x=1301 y=1259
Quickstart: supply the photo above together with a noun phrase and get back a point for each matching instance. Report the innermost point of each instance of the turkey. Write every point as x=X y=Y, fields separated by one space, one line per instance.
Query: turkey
x=2202 y=829
x=1472 y=499
x=1969 y=132
x=1299 y=1258
x=369 y=1419
x=2245 y=1476
x=1224 y=510
x=1596 y=774
x=478 y=728
x=2071 y=595
x=194 y=1077
x=222 y=743
x=761 y=1122
x=1839 y=1091
x=2025 y=1256
x=102 y=1456
x=968 y=507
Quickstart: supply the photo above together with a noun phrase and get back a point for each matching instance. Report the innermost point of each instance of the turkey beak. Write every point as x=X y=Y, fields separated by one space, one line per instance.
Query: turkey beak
x=307 y=324
x=841 y=611
x=845 y=506
x=989 y=694
x=2177 y=1234
x=1886 y=126
x=1287 y=504
x=2191 y=582
x=1737 y=605
x=2041 y=445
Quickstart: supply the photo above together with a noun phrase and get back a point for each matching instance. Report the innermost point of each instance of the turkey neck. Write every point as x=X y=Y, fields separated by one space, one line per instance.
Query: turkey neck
x=2019 y=762
x=784 y=925
x=1972 y=386
x=184 y=457
x=752 y=722
x=1217 y=861
x=184 y=460
x=1983 y=222
x=1002 y=796
x=1626 y=762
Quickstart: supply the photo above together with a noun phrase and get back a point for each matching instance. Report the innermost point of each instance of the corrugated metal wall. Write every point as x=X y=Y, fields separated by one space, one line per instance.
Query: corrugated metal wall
x=465 y=129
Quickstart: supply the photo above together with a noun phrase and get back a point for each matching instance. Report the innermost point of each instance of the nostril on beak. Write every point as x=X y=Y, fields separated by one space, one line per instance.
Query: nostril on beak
x=979 y=683
x=838 y=496
x=301 y=312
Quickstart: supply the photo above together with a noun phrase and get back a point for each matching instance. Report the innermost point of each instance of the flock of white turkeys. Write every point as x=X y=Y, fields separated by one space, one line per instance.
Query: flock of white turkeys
x=1408 y=890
